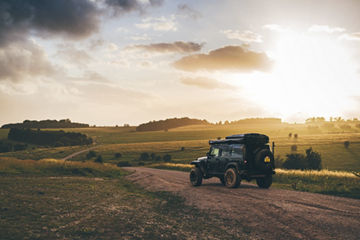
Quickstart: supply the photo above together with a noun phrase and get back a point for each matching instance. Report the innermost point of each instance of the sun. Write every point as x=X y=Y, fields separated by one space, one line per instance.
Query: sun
x=312 y=75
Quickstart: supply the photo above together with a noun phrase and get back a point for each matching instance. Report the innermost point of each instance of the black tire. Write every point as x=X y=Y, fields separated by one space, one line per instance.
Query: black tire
x=264 y=182
x=222 y=180
x=196 y=177
x=232 y=178
x=264 y=160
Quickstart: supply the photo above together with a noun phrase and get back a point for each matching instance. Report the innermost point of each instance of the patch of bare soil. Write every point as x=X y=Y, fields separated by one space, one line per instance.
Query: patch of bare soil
x=266 y=213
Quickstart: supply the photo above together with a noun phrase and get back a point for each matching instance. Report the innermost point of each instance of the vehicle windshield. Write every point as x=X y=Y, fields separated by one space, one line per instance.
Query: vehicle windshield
x=215 y=151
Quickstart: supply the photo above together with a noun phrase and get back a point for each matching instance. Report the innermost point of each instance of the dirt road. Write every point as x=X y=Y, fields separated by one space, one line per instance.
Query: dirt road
x=265 y=213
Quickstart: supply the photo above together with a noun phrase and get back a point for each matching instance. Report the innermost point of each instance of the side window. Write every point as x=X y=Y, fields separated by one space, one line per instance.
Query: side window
x=237 y=152
x=215 y=151
x=226 y=152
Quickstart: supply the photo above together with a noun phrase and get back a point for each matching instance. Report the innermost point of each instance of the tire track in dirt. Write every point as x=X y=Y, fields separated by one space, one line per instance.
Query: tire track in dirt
x=266 y=213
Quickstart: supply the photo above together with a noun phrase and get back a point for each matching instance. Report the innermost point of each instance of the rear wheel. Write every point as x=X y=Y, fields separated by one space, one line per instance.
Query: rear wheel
x=264 y=182
x=196 y=177
x=231 y=178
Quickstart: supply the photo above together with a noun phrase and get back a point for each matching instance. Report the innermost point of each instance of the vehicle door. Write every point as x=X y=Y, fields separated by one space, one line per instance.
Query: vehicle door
x=214 y=158
x=224 y=158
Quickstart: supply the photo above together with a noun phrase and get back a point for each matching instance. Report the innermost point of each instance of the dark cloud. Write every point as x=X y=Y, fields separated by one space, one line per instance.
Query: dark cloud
x=180 y=47
x=238 y=58
x=19 y=61
x=73 y=18
x=188 y=11
x=206 y=83
x=123 y=6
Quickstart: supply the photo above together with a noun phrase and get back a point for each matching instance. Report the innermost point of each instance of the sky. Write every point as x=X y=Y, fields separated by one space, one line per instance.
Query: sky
x=115 y=62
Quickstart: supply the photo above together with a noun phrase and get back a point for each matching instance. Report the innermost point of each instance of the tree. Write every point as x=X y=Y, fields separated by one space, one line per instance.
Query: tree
x=99 y=159
x=313 y=159
x=117 y=155
x=167 y=158
x=144 y=156
x=91 y=154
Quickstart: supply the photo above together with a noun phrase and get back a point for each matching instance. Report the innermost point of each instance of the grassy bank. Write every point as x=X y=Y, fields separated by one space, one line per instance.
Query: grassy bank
x=338 y=183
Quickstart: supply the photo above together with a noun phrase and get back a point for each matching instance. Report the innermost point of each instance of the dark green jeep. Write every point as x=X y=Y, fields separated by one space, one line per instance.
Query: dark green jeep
x=237 y=157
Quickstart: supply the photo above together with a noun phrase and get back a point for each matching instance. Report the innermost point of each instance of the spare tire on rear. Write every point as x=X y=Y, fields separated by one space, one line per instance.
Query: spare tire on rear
x=264 y=160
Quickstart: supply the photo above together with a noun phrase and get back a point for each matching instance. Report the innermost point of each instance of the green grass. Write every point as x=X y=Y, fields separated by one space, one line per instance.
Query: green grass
x=46 y=199
x=337 y=183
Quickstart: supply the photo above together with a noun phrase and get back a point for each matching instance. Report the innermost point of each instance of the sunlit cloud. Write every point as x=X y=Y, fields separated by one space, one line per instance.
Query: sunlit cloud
x=205 y=83
x=326 y=28
x=158 y=24
x=245 y=36
x=238 y=58
x=179 y=47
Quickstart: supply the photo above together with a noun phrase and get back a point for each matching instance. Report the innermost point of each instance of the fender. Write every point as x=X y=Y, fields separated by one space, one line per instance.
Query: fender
x=232 y=164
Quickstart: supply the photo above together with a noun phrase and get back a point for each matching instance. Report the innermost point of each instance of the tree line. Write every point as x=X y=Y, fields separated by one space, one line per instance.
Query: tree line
x=64 y=123
x=48 y=138
x=164 y=125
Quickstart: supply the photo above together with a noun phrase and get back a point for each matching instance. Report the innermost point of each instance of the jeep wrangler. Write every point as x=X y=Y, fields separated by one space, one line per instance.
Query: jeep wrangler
x=237 y=157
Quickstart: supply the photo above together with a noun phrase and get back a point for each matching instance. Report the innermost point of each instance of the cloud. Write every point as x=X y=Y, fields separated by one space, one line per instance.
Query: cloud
x=245 y=36
x=179 y=47
x=275 y=28
x=206 y=83
x=238 y=58
x=21 y=61
x=188 y=11
x=325 y=28
x=351 y=36
x=74 y=55
x=73 y=18
x=158 y=24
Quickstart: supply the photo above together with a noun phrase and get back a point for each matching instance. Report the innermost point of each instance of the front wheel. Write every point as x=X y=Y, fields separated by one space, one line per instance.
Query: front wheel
x=264 y=182
x=232 y=178
x=196 y=177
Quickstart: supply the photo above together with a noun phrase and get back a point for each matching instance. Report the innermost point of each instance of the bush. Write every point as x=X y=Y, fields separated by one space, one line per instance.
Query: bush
x=293 y=148
x=295 y=161
x=346 y=144
x=117 y=155
x=290 y=135
x=279 y=161
x=158 y=158
x=153 y=156
x=144 y=156
x=182 y=149
x=99 y=159
x=312 y=160
x=167 y=158
x=295 y=135
x=123 y=164
x=91 y=154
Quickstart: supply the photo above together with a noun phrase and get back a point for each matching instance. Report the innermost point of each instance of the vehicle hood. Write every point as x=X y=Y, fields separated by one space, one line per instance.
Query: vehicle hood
x=201 y=159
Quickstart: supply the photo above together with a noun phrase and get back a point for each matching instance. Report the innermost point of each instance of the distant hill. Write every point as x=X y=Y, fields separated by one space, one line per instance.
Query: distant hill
x=169 y=123
x=257 y=121
x=65 y=123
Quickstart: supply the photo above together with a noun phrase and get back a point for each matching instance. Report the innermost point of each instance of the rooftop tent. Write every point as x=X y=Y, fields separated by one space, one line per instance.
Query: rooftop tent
x=248 y=138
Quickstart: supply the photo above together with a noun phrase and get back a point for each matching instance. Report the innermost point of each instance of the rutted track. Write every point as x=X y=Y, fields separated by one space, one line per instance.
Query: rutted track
x=266 y=213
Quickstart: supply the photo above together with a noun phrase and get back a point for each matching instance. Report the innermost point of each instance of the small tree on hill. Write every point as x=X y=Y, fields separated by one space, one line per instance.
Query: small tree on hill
x=144 y=156
x=91 y=154
x=346 y=144
x=99 y=159
x=117 y=155
x=313 y=159
x=167 y=158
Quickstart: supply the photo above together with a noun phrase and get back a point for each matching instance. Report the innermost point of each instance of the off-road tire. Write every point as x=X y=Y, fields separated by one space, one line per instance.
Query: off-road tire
x=260 y=163
x=222 y=180
x=196 y=177
x=264 y=182
x=232 y=178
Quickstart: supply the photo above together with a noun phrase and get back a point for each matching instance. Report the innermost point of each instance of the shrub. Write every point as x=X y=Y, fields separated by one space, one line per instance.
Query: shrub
x=123 y=164
x=346 y=144
x=117 y=155
x=158 y=158
x=91 y=154
x=167 y=158
x=313 y=159
x=293 y=148
x=290 y=135
x=144 y=156
x=295 y=161
x=279 y=161
x=295 y=135
x=99 y=159
x=153 y=156
x=182 y=148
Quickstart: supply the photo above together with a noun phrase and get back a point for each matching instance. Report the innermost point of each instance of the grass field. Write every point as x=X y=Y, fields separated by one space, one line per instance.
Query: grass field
x=194 y=141
x=48 y=199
